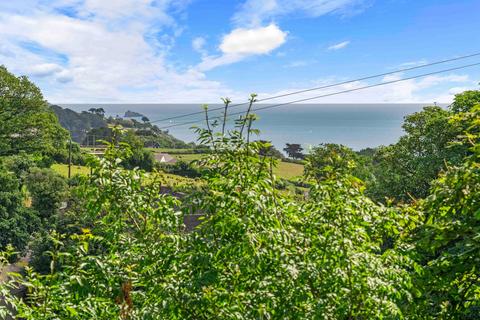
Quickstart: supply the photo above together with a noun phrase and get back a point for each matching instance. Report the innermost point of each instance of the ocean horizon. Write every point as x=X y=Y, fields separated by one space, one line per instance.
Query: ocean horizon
x=357 y=126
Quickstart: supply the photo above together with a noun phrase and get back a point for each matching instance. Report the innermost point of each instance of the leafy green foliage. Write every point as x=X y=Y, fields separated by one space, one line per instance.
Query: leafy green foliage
x=121 y=250
x=20 y=165
x=181 y=168
x=16 y=221
x=448 y=245
x=465 y=101
x=27 y=122
x=294 y=150
x=270 y=150
x=256 y=254
x=139 y=156
x=48 y=190
x=330 y=159
x=404 y=171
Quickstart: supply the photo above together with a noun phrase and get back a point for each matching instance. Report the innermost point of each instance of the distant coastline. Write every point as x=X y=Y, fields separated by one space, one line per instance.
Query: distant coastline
x=358 y=126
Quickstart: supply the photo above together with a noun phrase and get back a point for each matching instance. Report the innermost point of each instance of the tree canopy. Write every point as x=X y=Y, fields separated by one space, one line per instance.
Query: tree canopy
x=404 y=171
x=28 y=124
x=294 y=150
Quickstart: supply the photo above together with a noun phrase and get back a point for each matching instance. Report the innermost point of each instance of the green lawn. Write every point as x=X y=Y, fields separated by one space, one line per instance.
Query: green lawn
x=288 y=170
x=63 y=169
x=188 y=157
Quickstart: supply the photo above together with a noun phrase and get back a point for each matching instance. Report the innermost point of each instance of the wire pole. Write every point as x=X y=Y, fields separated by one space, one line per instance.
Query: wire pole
x=70 y=159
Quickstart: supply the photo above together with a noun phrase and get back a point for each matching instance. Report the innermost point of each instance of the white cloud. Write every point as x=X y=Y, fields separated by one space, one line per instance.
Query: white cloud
x=255 y=12
x=260 y=40
x=339 y=46
x=97 y=55
x=211 y=62
x=423 y=90
x=252 y=37
x=45 y=69
x=242 y=43
x=64 y=76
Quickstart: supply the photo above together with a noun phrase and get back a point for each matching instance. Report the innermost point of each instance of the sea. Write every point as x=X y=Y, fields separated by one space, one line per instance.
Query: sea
x=357 y=126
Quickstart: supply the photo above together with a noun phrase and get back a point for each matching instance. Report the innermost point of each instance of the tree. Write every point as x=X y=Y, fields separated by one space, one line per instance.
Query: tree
x=139 y=156
x=145 y=119
x=95 y=135
x=330 y=158
x=27 y=122
x=294 y=150
x=20 y=165
x=465 y=101
x=97 y=111
x=100 y=112
x=447 y=244
x=405 y=170
x=270 y=150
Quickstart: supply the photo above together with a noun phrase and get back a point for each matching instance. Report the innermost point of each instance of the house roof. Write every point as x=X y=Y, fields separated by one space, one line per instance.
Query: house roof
x=164 y=158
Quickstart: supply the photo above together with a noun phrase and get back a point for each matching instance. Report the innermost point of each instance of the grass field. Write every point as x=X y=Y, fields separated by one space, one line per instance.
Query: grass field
x=189 y=157
x=166 y=178
x=63 y=169
x=284 y=170
x=288 y=170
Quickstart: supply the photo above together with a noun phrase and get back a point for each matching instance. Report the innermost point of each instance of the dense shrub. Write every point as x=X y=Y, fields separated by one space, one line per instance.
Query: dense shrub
x=16 y=221
x=76 y=154
x=48 y=191
x=138 y=156
x=181 y=168
x=20 y=165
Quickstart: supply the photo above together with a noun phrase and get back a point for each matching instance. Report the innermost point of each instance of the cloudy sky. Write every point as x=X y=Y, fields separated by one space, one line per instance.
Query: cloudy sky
x=165 y=51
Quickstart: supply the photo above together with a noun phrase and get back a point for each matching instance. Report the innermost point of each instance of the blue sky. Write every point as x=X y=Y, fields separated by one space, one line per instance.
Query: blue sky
x=166 y=51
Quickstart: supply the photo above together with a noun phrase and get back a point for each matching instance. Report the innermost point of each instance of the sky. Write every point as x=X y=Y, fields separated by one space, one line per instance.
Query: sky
x=197 y=51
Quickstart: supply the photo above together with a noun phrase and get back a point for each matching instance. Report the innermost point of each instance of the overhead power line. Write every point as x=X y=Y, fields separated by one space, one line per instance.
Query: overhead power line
x=332 y=94
x=327 y=86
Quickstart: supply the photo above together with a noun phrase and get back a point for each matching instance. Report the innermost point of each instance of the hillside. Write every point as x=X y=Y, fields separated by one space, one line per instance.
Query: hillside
x=85 y=123
x=78 y=123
